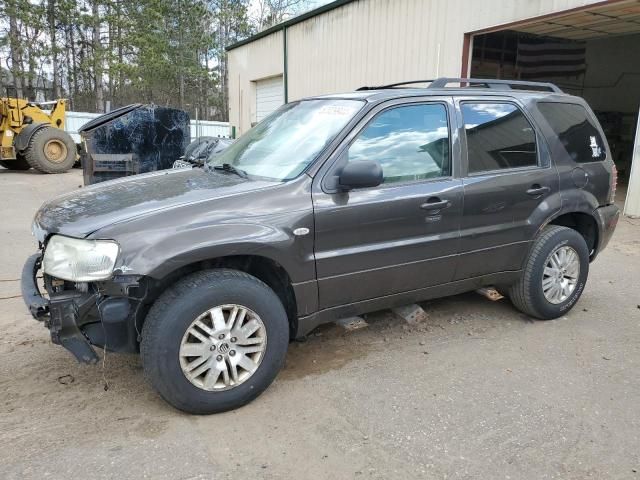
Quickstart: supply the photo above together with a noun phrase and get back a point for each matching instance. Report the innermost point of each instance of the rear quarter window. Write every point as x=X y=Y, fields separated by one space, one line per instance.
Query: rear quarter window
x=575 y=130
x=499 y=137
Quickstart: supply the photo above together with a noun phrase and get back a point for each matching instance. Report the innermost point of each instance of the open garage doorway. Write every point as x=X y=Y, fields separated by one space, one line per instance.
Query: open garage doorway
x=592 y=52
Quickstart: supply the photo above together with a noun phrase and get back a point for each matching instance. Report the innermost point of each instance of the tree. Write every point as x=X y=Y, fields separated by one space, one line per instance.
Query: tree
x=52 y=14
x=16 y=67
x=93 y=52
x=232 y=24
x=272 y=12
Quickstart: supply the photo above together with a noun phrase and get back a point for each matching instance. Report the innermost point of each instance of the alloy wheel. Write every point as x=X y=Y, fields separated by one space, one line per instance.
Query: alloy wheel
x=223 y=347
x=561 y=273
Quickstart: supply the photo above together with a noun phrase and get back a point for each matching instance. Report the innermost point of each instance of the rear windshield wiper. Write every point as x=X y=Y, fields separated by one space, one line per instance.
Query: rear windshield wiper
x=227 y=167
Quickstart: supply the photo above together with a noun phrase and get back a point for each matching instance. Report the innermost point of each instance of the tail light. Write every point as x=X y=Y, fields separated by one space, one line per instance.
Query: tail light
x=614 y=182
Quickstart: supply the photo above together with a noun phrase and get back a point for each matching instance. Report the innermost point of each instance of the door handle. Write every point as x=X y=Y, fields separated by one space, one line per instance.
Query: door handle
x=435 y=203
x=537 y=190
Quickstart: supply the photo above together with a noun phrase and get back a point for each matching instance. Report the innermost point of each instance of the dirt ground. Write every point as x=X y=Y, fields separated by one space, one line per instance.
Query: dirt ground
x=478 y=391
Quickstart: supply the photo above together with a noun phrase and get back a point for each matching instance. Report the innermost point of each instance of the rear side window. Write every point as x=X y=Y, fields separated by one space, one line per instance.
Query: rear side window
x=575 y=130
x=499 y=137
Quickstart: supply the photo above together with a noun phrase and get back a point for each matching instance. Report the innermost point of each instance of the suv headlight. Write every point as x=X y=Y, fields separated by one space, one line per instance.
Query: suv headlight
x=79 y=260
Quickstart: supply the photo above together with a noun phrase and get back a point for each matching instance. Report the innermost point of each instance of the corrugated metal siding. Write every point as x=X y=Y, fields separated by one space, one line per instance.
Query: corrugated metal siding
x=74 y=120
x=209 y=128
x=252 y=62
x=371 y=42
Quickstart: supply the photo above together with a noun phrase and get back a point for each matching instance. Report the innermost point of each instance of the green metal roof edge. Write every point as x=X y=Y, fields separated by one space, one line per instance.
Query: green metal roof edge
x=300 y=18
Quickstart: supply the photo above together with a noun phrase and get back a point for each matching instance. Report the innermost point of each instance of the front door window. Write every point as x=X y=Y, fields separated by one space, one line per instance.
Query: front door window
x=410 y=143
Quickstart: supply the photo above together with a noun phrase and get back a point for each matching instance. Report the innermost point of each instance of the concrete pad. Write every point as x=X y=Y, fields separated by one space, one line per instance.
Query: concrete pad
x=413 y=314
x=490 y=293
x=352 y=323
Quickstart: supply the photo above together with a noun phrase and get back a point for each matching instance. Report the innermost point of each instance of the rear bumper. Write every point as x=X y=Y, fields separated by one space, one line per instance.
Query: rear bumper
x=77 y=320
x=607 y=218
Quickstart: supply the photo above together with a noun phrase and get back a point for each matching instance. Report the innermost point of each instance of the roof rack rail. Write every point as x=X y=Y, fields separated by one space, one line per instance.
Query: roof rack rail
x=486 y=82
x=494 y=83
x=392 y=85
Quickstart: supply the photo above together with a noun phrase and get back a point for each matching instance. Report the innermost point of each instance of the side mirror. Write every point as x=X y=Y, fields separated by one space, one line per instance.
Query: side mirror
x=360 y=174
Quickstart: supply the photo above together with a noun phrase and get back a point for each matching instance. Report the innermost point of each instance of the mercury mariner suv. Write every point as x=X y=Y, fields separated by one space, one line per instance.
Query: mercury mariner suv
x=332 y=206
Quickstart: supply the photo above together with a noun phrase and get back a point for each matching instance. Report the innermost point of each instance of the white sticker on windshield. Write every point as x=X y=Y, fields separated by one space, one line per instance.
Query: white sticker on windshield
x=337 y=110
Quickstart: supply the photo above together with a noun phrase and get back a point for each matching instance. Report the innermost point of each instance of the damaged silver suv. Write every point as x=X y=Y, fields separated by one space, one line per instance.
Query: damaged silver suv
x=332 y=206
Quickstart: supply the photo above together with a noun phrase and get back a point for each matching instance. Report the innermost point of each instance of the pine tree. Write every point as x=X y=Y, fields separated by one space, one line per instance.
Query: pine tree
x=94 y=52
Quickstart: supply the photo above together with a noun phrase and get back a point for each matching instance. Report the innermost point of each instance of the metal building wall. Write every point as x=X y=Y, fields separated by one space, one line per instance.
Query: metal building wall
x=372 y=42
x=247 y=64
x=632 y=202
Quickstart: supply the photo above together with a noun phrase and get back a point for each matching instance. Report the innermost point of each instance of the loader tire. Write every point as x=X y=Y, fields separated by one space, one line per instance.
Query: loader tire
x=20 y=163
x=51 y=150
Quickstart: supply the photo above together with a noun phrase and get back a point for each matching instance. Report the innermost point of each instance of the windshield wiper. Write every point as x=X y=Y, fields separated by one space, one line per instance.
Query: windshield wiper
x=227 y=167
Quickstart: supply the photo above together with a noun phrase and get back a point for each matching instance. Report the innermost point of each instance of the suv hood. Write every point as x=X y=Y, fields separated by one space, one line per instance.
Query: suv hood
x=82 y=212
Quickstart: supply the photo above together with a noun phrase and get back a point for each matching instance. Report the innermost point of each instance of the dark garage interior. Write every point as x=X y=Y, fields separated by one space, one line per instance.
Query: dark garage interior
x=593 y=53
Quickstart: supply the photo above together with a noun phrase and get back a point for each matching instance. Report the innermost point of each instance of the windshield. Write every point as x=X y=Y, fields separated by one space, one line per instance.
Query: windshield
x=287 y=141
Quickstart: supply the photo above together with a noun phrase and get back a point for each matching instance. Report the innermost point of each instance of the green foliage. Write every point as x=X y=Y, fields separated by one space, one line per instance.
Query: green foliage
x=169 y=52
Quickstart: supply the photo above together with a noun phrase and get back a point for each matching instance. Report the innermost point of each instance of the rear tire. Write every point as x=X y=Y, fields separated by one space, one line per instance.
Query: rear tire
x=18 y=164
x=51 y=150
x=175 y=370
x=544 y=291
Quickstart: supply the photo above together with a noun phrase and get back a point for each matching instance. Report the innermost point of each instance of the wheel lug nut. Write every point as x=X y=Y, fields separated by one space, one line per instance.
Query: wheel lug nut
x=212 y=348
x=221 y=336
x=233 y=339
x=232 y=353
x=219 y=358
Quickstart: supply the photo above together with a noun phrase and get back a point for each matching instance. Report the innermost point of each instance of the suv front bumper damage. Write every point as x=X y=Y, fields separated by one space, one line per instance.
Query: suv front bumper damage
x=77 y=320
x=59 y=313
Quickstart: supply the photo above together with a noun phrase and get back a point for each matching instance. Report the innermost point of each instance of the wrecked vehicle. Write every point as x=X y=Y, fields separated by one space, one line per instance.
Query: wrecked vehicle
x=199 y=151
x=133 y=139
x=330 y=207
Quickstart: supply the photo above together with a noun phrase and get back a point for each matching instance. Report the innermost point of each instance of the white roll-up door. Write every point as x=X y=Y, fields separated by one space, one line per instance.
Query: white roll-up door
x=269 y=96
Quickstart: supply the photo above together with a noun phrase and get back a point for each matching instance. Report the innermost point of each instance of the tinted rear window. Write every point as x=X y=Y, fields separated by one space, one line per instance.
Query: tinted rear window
x=498 y=137
x=575 y=130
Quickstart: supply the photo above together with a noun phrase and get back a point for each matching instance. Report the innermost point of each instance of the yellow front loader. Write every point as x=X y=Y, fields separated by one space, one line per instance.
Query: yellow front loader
x=33 y=138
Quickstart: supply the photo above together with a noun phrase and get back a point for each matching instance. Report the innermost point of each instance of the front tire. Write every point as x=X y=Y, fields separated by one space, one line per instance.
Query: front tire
x=18 y=164
x=554 y=275
x=214 y=341
x=51 y=150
